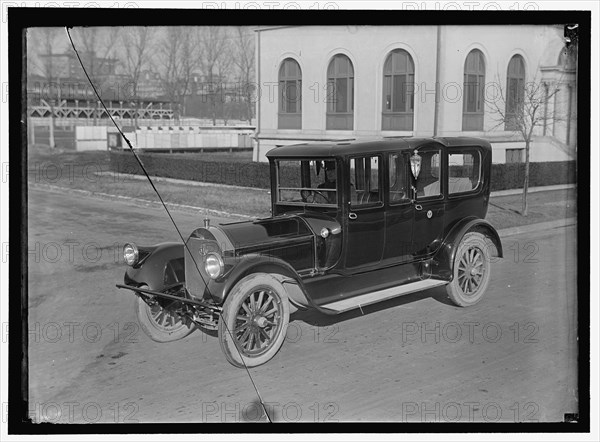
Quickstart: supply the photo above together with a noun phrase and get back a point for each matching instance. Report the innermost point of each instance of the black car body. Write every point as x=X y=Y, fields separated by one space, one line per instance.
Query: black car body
x=352 y=224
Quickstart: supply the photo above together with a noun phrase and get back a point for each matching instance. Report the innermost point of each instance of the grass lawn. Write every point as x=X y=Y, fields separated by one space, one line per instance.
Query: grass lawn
x=90 y=171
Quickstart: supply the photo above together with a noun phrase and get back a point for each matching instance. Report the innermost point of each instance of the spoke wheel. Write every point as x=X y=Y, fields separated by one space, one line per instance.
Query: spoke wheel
x=471 y=270
x=254 y=322
x=160 y=323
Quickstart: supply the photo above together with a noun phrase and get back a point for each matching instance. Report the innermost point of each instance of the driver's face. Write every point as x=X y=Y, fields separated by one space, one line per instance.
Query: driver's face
x=331 y=174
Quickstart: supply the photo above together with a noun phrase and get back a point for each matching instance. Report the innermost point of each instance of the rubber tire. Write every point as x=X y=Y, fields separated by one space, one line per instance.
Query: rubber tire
x=228 y=317
x=149 y=327
x=455 y=293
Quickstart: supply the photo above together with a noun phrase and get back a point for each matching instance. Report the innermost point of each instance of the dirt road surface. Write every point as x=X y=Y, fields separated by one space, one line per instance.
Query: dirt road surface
x=417 y=358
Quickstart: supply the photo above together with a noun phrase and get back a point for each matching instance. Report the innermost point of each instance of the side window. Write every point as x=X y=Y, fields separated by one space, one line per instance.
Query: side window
x=428 y=183
x=397 y=178
x=464 y=171
x=364 y=181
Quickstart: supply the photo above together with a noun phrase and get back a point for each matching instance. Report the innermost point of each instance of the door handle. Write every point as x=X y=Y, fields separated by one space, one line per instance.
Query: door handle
x=352 y=215
x=418 y=207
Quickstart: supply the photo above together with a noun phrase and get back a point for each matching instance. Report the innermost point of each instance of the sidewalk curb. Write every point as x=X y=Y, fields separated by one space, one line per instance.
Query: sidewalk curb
x=532 y=190
x=503 y=233
x=527 y=228
x=213 y=212
x=159 y=179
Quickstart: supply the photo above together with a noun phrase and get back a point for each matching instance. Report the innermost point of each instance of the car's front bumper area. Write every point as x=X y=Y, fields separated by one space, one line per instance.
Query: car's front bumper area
x=165 y=296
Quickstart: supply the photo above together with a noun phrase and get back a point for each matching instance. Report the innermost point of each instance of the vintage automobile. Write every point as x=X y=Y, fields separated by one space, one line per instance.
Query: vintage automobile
x=353 y=223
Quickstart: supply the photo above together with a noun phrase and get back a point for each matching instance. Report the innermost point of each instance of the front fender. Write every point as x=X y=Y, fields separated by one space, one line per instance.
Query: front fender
x=443 y=261
x=153 y=270
x=255 y=263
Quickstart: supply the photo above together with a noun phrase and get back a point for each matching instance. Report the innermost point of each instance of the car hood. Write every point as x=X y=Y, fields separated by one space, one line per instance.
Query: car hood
x=262 y=232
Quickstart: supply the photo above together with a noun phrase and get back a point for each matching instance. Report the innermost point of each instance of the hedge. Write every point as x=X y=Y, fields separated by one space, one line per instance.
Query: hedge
x=251 y=174
x=511 y=176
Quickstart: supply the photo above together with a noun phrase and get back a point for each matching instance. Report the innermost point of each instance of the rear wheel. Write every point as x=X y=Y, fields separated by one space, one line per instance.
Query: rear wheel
x=160 y=323
x=471 y=270
x=254 y=320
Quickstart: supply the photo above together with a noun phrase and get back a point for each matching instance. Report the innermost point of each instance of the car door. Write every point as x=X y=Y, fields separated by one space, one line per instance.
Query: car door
x=365 y=223
x=428 y=206
x=399 y=213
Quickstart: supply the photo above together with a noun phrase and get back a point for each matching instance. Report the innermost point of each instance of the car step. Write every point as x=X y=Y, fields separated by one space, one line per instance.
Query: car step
x=382 y=295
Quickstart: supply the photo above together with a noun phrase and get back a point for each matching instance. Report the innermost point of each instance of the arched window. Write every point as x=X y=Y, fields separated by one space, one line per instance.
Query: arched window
x=290 y=95
x=340 y=94
x=398 y=91
x=515 y=92
x=474 y=83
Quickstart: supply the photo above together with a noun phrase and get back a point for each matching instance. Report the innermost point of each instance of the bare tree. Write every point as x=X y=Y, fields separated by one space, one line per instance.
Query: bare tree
x=215 y=60
x=244 y=59
x=45 y=41
x=137 y=42
x=223 y=68
x=525 y=110
x=178 y=58
x=96 y=47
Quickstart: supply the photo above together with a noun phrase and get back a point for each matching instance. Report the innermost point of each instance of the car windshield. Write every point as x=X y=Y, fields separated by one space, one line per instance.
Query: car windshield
x=305 y=182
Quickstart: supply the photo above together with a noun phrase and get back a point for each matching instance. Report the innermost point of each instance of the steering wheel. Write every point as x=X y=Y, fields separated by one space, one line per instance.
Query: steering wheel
x=310 y=196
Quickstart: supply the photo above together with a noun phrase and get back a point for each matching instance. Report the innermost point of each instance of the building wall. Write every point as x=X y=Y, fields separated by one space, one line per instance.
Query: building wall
x=367 y=47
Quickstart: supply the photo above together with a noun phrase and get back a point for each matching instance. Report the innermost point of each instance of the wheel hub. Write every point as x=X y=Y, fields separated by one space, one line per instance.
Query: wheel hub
x=260 y=321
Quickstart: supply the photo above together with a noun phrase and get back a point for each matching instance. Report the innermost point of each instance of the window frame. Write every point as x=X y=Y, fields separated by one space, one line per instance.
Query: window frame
x=408 y=75
x=512 y=151
x=332 y=115
x=516 y=99
x=286 y=119
x=380 y=183
x=442 y=174
x=278 y=188
x=463 y=151
x=469 y=116
x=407 y=198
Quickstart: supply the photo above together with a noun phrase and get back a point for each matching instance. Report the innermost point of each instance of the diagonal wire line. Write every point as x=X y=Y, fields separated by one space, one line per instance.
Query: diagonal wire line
x=139 y=161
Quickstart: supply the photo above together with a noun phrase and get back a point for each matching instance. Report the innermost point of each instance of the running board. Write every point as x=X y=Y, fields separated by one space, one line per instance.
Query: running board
x=382 y=295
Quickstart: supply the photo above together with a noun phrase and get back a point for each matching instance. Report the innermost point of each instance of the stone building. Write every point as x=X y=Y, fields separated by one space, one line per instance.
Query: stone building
x=321 y=83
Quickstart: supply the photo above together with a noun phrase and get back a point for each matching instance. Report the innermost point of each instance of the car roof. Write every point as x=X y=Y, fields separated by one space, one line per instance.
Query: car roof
x=353 y=147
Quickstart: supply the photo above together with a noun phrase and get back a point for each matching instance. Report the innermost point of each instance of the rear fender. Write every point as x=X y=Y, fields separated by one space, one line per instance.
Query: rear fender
x=443 y=262
x=153 y=270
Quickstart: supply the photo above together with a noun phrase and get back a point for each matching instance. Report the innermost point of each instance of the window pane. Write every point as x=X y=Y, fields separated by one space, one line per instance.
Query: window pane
x=397 y=178
x=387 y=93
x=341 y=98
x=463 y=172
x=351 y=93
x=428 y=182
x=299 y=184
x=330 y=96
x=291 y=96
x=282 y=96
x=387 y=68
x=471 y=93
x=364 y=181
x=398 y=93
x=411 y=91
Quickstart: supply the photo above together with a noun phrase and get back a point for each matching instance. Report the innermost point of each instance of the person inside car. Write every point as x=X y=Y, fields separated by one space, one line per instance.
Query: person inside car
x=330 y=181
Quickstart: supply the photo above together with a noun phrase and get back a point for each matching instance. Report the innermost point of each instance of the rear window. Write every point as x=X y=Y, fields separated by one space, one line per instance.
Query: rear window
x=464 y=171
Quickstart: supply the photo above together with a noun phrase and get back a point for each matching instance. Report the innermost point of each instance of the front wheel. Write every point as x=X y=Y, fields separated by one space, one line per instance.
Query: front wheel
x=254 y=320
x=161 y=324
x=471 y=270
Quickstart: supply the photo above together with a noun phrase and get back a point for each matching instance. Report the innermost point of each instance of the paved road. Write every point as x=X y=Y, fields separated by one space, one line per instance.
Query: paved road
x=416 y=358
